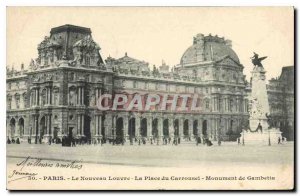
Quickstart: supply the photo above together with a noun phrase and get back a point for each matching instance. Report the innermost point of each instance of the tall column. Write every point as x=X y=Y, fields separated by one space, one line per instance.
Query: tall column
x=96 y=95
x=17 y=131
x=47 y=124
x=191 y=126
x=82 y=96
x=82 y=125
x=200 y=121
x=138 y=126
x=96 y=125
x=36 y=127
x=100 y=126
x=125 y=121
x=79 y=95
x=180 y=127
x=78 y=124
x=36 y=97
x=160 y=129
x=50 y=95
x=171 y=127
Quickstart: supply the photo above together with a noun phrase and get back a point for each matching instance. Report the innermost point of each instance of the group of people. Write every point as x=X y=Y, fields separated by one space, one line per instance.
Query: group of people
x=83 y=140
x=13 y=141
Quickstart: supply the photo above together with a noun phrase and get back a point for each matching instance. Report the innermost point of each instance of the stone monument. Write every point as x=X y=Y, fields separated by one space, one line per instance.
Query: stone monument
x=260 y=129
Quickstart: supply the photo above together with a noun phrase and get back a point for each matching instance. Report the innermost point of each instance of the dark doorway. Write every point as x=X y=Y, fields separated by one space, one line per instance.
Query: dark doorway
x=204 y=127
x=21 y=127
x=131 y=128
x=43 y=127
x=70 y=133
x=155 y=128
x=166 y=128
x=176 y=127
x=195 y=127
x=186 y=128
x=119 y=128
x=144 y=127
x=87 y=127
x=12 y=125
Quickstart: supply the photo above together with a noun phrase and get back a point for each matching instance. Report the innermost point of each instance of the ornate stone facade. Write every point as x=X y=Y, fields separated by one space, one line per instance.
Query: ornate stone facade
x=58 y=94
x=281 y=98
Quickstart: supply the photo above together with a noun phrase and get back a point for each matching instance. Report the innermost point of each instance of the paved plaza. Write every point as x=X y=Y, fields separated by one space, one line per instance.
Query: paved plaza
x=159 y=156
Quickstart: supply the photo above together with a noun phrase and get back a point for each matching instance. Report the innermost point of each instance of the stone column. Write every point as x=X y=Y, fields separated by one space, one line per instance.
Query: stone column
x=160 y=129
x=171 y=127
x=138 y=126
x=17 y=131
x=82 y=96
x=96 y=125
x=50 y=124
x=79 y=95
x=180 y=131
x=82 y=125
x=78 y=124
x=36 y=119
x=125 y=122
x=37 y=97
x=50 y=96
x=100 y=126
x=191 y=126
x=149 y=127
x=200 y=121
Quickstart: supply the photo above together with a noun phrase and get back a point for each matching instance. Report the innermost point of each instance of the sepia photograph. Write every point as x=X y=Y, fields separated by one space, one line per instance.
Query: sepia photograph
x=150 y=98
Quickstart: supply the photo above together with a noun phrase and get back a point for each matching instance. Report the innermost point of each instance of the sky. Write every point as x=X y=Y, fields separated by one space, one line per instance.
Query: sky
x=154 y=34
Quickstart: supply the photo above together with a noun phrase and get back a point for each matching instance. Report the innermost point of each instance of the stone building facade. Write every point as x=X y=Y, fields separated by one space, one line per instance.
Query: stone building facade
x=281 y=100
x=58 y=94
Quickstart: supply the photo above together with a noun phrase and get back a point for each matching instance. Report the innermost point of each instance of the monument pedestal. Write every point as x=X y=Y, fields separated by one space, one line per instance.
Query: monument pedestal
x=265 y=137
x=259 y=131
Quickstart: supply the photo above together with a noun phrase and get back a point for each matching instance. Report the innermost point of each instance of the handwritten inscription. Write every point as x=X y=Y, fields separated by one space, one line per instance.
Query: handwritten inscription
x=21 y=173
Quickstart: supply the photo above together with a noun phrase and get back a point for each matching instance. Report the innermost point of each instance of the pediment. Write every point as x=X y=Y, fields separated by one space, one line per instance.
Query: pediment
x=227 y=60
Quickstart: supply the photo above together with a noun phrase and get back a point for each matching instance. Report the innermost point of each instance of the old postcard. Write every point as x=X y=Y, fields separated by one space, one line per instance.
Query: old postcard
x=150 y=98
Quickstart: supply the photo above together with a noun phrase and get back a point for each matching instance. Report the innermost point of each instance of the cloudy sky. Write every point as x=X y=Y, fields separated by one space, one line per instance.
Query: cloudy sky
x=155 y=34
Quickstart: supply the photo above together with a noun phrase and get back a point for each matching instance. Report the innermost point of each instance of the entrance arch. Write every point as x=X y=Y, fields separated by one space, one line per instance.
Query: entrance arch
x=195 y=127
x=176 y=127
x=166 y=128
x=186 y=128
x=21 y=127
x=204 y=127
x=155 y=128
x=12 y=125
x=87 y=127
x=119 y=129
x=144 y=127
x=43 y=127
x=131 y=128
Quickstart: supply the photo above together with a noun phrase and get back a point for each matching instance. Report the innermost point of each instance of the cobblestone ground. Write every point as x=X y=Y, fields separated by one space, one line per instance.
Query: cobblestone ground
x=162 y=155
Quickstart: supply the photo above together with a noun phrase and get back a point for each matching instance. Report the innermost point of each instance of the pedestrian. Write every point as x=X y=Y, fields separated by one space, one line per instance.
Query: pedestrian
x=239 y=141
x=29 y=140
x=279 y=140
x=8 y=140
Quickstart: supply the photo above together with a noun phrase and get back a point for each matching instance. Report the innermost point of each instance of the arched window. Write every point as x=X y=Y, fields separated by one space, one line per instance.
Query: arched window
x=72 y=95
x=55 y=96
x=9 y=102
x=17 y=97
x=207 y=104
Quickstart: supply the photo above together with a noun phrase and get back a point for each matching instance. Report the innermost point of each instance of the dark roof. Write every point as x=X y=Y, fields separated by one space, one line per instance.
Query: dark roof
x=68 y=27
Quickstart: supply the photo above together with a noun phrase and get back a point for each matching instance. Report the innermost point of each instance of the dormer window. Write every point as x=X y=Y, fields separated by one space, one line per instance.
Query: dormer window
x=46 y=61
x=87 y=60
